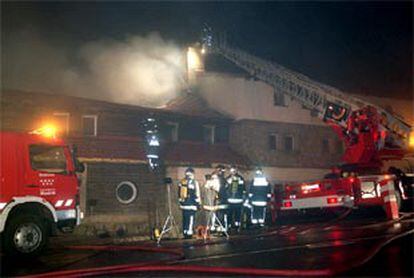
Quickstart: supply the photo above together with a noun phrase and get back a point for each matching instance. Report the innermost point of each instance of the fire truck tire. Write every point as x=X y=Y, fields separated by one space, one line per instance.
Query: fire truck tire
x=25 y=236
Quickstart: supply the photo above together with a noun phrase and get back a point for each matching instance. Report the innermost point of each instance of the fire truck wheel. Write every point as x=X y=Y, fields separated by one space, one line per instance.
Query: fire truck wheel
x=25 y=235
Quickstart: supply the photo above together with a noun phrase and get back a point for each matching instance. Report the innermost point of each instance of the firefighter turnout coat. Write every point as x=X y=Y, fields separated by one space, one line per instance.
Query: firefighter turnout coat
x=189 y=194
x=259 y=192
x=216 y=193
x=236 y=189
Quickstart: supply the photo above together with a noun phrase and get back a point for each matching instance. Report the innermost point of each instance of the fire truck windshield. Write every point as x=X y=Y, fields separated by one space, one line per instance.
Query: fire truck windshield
x=45 y=158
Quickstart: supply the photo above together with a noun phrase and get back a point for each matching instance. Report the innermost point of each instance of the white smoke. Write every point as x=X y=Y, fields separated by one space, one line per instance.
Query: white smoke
x=146 y=71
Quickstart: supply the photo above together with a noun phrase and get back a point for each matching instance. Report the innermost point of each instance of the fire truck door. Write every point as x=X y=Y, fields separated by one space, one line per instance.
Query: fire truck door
x=51 y=175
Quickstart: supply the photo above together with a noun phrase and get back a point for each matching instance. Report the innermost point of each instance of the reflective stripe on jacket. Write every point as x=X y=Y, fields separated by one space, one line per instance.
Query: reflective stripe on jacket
x=189 y=194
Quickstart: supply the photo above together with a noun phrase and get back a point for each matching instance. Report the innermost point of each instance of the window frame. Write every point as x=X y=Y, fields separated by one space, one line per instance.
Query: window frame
x=174 y=131
x=64 y=171
x=293 y=143
x=95 y=124
x=276 y=136
x=134 y=192
x=283 y=98
x=63 y=114
x=211 y=140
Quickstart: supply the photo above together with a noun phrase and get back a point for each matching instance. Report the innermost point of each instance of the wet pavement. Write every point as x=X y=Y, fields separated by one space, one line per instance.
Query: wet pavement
x=361 y=244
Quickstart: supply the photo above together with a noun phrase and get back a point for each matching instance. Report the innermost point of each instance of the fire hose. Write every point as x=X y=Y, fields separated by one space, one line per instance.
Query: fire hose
x=166 y=265
x=159 y=266
x=177 y=254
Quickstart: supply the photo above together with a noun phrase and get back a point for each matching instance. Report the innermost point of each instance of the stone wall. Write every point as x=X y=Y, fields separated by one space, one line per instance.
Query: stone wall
x=251 y=138
x=105 y=213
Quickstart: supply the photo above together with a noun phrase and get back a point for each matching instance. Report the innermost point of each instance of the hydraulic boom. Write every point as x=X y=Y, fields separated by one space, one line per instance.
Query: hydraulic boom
x=369 y=131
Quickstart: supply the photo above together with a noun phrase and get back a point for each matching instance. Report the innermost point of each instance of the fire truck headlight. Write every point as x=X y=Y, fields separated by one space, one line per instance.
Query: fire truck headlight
x=66 y=214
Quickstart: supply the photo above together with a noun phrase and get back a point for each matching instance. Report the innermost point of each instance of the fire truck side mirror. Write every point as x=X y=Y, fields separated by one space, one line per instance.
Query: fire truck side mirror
x=79 y=167
x=168 y=180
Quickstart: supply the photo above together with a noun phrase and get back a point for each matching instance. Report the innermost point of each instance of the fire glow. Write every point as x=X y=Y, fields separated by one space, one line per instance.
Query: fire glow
x=47 y=130
x=411 y=140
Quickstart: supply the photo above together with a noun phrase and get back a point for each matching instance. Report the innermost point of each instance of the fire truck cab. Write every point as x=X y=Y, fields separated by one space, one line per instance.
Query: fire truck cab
x=39 y=191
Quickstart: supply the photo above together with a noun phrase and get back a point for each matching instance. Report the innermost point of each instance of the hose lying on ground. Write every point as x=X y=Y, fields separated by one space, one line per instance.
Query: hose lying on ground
x=159 y=266
x=177 y=254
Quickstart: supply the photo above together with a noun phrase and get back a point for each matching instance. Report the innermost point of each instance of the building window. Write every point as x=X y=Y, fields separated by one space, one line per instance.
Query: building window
x=288 y=143
x=208 y=134
x=221 y=134
x=126 y=192
x=273 y=141
x=191 y=131
x=278 y=98
x=172 y=131
x=62 y=122
x=339 y=146
x=325 y=145
x=89 y=125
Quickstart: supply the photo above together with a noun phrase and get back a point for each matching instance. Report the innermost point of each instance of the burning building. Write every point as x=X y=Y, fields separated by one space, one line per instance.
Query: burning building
x=227 y=118
x=118 y=190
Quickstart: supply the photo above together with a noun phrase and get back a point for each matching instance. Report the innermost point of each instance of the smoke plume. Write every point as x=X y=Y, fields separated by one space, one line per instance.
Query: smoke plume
x=147 y=71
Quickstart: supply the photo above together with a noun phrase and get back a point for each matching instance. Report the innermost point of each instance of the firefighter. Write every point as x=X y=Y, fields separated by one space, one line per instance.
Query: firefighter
x=210 y=200
x=218 y=185
x=222 y=203
x=235 y=197
x=259 y=195
x=189 y=199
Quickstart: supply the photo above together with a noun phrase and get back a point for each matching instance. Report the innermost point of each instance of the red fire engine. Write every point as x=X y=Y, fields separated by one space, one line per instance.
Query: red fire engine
x=39 y=190
x=374 y=155
x=372 y=136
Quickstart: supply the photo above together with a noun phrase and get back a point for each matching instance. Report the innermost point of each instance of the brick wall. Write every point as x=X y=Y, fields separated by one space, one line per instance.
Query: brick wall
x=103 y=210
x=251 y=138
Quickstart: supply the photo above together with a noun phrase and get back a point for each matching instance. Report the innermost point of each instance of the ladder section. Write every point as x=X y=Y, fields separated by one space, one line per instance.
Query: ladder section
x=331 y=104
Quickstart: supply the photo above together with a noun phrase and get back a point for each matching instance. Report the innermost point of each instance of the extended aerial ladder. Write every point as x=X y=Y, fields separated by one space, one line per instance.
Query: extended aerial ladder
x=370 y=132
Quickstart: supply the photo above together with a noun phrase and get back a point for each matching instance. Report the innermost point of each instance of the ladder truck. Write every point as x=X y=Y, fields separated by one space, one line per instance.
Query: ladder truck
x=371 y=134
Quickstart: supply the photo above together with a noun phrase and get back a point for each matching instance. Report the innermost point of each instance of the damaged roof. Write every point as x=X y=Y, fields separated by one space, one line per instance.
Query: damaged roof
x=190 y=103
x=131 y=149
x=186 y=104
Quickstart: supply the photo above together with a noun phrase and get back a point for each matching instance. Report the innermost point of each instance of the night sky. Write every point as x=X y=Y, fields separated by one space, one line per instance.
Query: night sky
x=358 y=47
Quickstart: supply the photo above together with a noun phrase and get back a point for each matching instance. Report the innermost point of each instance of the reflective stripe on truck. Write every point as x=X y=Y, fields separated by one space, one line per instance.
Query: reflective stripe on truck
x=318 y=202
x=22 y=200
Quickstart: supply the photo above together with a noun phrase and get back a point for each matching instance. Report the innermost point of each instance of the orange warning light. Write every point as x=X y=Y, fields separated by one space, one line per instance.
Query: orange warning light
x=411 y=140
x=47 y=130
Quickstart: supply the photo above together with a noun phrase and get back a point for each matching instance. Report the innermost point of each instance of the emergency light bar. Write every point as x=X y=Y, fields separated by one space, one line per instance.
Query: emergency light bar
x=47 y=130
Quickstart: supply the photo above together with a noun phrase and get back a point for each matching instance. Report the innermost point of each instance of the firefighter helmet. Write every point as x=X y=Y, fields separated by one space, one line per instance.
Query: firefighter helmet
x=220 y=168
x=189 y=170
x=259 y=171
